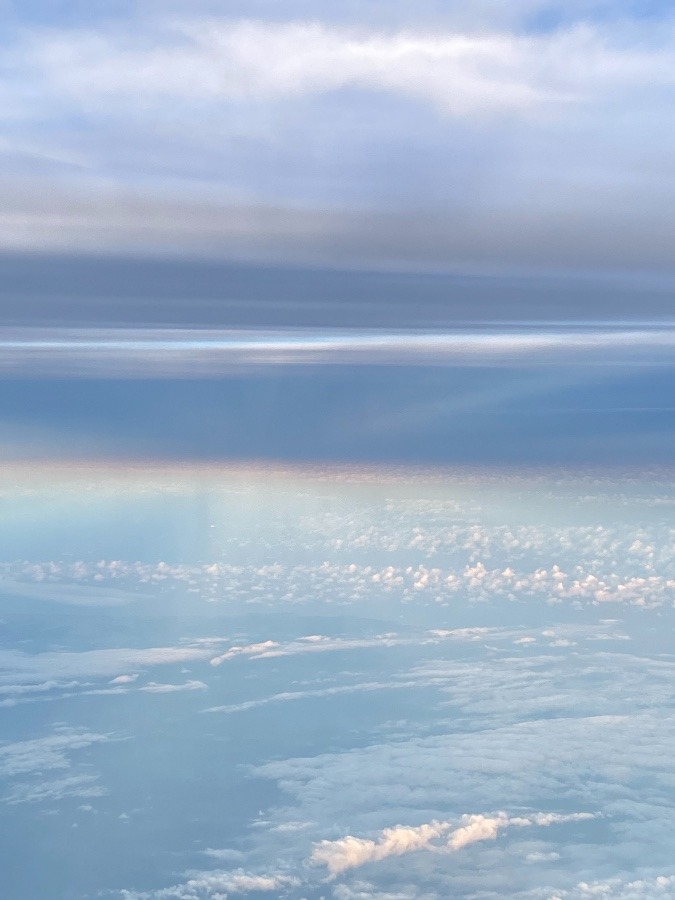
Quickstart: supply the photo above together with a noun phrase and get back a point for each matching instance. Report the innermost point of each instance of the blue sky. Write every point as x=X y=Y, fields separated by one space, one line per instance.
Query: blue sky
x=485 y=137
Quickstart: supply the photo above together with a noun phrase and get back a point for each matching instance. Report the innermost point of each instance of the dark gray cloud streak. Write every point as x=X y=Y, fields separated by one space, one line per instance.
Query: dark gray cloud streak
x=97 y=291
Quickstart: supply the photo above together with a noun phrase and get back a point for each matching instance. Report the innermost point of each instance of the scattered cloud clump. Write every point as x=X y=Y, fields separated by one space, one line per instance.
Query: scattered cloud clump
x=351 y=852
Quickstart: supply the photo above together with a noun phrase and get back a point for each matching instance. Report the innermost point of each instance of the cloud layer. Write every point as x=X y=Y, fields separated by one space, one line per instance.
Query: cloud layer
x=484 y=141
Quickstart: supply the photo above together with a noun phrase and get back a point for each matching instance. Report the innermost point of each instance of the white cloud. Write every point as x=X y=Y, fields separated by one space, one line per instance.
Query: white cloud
x=647 y=888
x=351 y=852
x=224 y=855
x=487 y=828
x=152 y=687
x=57 y=789
x=41 y=754
x=363 y=891
x=210 y=60
x=559 y=158
x=289 y=696
x=25 y=763
x=217 y=885
x=257 y=650
x=477 y=828
x=101 y=663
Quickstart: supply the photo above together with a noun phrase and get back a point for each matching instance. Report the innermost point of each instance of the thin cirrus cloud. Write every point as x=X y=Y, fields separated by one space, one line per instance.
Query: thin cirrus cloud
x=167 y=353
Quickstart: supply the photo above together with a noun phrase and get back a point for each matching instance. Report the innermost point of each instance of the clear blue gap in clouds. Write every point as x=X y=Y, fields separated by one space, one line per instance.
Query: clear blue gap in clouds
x=475 y=415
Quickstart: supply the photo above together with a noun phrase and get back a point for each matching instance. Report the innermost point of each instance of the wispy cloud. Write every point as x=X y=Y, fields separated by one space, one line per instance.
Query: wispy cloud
x=243 y=60
x=170 y=353
x=218 y=884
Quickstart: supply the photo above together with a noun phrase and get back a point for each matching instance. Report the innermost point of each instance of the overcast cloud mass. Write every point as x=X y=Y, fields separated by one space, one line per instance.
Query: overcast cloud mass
x=483 y=137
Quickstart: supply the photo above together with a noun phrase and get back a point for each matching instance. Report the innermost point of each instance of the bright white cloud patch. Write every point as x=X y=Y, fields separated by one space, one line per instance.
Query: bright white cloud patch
x=351 y=852
x=459 y=73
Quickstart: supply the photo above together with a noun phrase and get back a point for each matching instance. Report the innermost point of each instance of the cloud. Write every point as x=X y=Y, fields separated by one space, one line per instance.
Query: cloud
x=57 y=789
x=286 y=696
x=615 y=888
x=490 y=148
x=487 y=828
x=365 y=891
x=25 y=763
x=106 y=662
x=187 y=60
x=256 y=650
x=170 y=353
x=21 y=758
x=152 y=687
x=477 y=828
x=351 y=852
x=218 y=885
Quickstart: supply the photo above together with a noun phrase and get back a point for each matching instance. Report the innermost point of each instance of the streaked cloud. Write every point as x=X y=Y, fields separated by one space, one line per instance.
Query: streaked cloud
x=124 y=353
x=483 y=140
x=218 y=884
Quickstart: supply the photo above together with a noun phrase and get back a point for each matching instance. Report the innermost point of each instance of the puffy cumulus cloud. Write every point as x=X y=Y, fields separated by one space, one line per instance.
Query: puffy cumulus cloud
x=477 y=828
x=579 y=766
x=627 y=563
x=218 y=885
x=487 y=828
x=351 y=852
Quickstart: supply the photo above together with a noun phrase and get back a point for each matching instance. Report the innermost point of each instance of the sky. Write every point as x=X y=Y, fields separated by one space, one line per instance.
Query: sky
x=404 y=231
x=337 y=432
x=522 y=138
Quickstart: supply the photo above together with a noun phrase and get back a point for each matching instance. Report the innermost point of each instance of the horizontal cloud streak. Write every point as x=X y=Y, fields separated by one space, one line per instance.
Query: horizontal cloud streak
x=459 y=73
x=199 y=353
